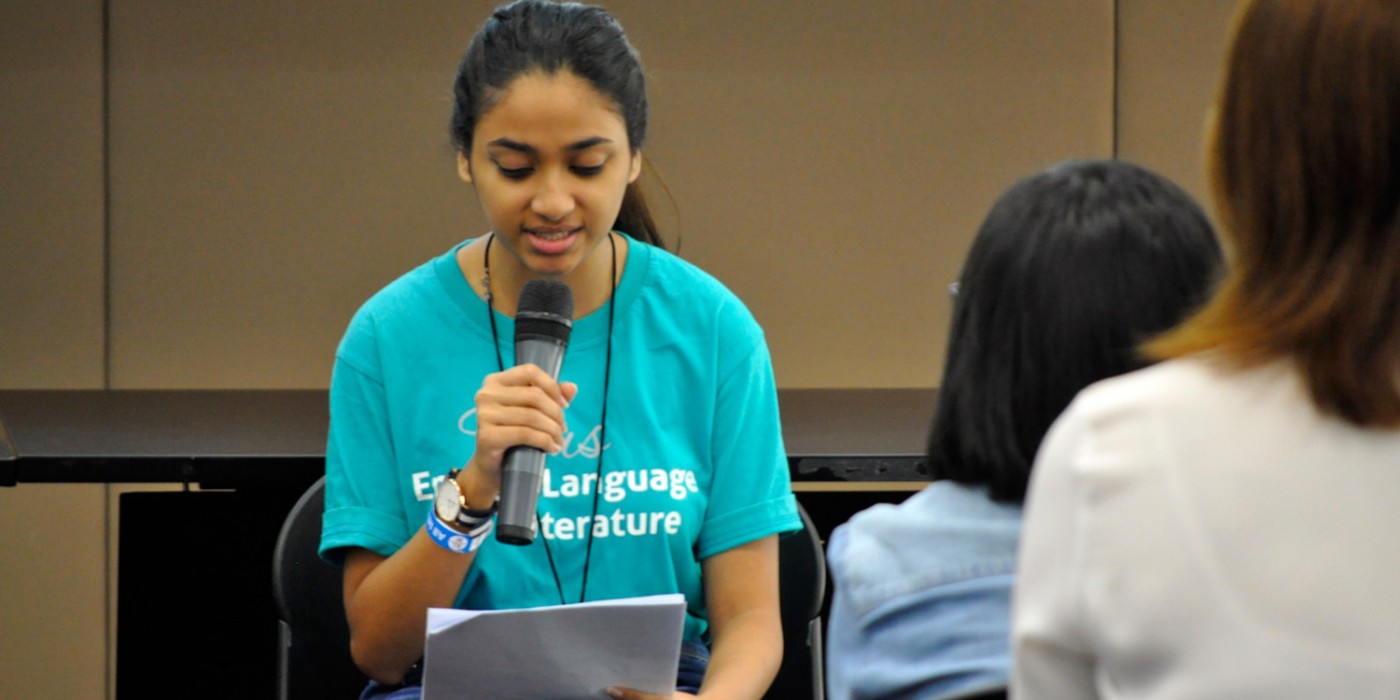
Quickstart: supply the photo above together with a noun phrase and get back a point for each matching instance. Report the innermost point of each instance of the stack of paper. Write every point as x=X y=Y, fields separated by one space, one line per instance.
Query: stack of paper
x=559 y=652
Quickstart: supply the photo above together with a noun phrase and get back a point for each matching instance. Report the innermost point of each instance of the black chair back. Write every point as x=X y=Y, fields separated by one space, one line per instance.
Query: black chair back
x=802 y=591
x=314 y=655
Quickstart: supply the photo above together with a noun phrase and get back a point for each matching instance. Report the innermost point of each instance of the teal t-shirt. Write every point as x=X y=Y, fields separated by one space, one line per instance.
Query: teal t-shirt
x=693 y=463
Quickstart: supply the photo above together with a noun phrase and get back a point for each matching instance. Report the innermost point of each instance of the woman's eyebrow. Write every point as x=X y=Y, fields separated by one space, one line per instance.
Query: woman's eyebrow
x=531 y=150
x=513 y=145
x=586 y=143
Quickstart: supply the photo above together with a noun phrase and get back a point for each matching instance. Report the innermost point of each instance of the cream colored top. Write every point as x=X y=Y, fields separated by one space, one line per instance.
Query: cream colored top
x=1197 y=533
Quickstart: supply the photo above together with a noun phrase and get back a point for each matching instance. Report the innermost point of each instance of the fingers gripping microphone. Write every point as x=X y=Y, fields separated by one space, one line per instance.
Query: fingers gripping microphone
x=543 y=321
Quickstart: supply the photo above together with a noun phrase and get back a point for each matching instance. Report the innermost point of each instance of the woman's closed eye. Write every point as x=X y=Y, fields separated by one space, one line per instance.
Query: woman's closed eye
x=518 y=162
x=513 y=166
x=526 y=171
x=515 y=173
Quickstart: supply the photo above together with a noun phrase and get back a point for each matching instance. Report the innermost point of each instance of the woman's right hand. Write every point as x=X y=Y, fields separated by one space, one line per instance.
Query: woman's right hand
x=385 y=598
x=519 y=406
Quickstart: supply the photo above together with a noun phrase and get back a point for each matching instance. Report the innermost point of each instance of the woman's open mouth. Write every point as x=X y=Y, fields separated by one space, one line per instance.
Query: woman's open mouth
x=552 y=241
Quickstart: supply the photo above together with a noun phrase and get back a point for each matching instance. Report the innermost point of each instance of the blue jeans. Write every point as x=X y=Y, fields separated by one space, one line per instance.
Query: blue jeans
x=695 y=658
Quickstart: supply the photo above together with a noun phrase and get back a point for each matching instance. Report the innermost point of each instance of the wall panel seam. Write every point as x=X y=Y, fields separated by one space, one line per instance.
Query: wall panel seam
x=108 y=684
x=1117 y=71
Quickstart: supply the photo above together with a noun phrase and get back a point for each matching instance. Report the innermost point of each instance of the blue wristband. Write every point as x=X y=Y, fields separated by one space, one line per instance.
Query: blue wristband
x=452 y=540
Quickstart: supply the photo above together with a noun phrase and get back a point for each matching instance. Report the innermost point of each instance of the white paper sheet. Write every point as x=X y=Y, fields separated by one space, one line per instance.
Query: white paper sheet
x=558 y=652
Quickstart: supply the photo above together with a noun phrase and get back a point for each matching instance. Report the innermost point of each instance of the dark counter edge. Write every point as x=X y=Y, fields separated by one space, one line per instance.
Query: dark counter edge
x=236 y=472
x=891 y=456
x=207 y=472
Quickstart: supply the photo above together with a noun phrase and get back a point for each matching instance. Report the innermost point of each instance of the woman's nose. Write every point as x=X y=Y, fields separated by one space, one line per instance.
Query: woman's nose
x=553 y=200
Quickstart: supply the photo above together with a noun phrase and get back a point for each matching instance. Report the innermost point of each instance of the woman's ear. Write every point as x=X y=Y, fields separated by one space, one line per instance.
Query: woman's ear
x=636 y=166
x=464 y=167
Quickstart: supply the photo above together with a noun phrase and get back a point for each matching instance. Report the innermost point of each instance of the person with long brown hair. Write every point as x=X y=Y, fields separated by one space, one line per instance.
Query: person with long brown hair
x=1222 y=524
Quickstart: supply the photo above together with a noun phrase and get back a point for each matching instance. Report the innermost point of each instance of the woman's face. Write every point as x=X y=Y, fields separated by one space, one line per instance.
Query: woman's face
x=550 y=162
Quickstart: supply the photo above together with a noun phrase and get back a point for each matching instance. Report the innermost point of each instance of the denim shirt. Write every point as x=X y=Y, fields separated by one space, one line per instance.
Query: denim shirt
x=921 y=605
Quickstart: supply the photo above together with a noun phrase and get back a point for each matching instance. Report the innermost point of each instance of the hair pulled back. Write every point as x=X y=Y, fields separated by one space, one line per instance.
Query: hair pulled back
x=538 y=35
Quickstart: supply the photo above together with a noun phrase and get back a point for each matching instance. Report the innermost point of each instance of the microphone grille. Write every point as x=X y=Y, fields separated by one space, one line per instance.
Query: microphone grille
x=546 y=297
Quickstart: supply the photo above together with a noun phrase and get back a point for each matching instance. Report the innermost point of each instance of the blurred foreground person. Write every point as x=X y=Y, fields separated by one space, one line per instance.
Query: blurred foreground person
x=1223 y=524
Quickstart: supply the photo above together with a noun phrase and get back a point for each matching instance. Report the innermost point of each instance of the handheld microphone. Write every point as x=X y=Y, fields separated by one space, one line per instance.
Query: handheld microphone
x=543 y=321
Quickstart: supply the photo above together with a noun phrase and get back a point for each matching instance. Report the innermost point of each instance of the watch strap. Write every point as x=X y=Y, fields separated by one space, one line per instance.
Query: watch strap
x=469 y=519
x=454 y=540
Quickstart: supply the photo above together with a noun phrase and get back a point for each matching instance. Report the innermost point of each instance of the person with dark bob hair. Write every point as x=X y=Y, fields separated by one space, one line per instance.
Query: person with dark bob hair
x=663 y=470
x=1071 y=270
x=1223 y=523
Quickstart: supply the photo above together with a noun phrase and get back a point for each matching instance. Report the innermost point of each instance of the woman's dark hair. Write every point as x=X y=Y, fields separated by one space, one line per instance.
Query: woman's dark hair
x=1071 y=270
x=538 y=35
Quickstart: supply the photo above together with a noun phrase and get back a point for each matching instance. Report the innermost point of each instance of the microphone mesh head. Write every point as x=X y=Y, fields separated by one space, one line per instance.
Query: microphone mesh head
x=547 y=297
x=546 y=311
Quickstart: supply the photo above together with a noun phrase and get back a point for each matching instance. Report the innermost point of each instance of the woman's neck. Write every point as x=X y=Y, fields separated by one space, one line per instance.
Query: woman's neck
x=503 y=277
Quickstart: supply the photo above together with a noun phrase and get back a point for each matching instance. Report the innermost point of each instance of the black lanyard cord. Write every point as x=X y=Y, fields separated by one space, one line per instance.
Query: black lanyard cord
x=603 y=420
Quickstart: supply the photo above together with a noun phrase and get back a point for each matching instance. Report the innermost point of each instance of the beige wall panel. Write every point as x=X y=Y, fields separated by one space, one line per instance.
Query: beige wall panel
x=52 y=564
x=1171 y=59
x=51 y=199
x=275 y=163
x=53 y=592
x=831 y=161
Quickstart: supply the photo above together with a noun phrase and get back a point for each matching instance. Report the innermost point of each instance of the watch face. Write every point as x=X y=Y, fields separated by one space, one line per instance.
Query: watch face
x=449 y=500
